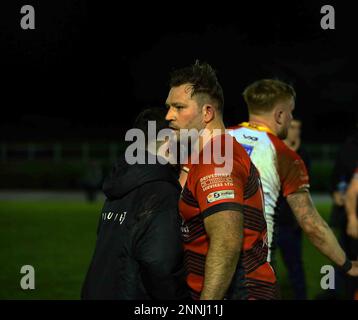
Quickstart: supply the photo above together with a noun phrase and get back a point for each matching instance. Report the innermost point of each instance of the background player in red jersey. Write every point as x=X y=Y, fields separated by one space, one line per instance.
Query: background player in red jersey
x=224 y=230
x=271 y=103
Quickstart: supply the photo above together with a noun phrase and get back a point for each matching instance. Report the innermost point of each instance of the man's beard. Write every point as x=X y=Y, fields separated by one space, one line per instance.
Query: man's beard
x=283 y=134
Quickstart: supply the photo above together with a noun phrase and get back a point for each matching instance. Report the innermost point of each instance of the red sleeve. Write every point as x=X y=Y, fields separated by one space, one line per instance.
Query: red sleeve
x=291 y=168
x=218 y=192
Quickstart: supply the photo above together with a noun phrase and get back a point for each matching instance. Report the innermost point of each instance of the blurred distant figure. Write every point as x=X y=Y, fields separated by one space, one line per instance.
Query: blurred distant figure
x=351 y=207
x=92 y=180
x=343 y=172
x=289 y=239
x=352 y=228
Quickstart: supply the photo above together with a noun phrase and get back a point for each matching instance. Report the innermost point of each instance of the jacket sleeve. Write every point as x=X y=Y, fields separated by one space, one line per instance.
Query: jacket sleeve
x=159 y=248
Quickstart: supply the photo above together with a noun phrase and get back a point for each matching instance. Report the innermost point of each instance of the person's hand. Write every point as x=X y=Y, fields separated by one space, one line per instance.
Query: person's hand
x=354 y=270
x=352 y=228
x=338 y=198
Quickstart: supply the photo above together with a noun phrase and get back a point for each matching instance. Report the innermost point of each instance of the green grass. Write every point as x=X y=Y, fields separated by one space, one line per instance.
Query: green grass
x=57 y=239
x=313 y=260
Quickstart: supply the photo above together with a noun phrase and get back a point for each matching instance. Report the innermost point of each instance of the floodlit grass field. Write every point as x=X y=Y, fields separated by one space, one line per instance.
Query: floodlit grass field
x=57 y=239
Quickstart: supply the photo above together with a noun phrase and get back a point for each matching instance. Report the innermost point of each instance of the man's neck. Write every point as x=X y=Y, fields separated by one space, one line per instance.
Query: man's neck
x=262 y=122
x=213 y=129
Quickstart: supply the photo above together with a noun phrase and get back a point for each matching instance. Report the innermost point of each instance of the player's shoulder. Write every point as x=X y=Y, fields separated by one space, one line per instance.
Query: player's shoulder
x=235 y=127
x=282 y=150
x=241 y=156
x=228 y=143
x=224 y=148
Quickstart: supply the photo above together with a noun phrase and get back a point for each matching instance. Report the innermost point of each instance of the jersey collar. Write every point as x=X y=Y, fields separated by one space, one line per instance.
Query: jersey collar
x=256 y=127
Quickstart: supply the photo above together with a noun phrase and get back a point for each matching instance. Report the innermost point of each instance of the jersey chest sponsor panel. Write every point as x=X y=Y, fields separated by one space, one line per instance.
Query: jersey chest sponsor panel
x=281 y=169
x=206 y=193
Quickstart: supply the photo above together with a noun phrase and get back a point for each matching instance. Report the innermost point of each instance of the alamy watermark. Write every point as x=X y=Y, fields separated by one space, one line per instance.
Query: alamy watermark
x=28 y=20
x=328 y=280
x=328 y=20
x=180 y=147
x=27 y=282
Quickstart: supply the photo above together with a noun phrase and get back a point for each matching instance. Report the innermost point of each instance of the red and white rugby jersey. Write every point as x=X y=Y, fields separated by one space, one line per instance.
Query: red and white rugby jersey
x=281 y=169
x=207 y=192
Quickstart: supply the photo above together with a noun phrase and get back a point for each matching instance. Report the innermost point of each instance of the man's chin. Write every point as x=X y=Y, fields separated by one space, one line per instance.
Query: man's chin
x=282 y=135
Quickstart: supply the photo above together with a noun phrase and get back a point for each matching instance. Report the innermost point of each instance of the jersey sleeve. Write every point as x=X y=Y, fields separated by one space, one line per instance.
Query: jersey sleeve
x=293 y=172
x=291 y=168
x=217 y=192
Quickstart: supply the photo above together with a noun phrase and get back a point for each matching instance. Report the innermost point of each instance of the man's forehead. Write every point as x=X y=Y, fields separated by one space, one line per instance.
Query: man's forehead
x=182 y=92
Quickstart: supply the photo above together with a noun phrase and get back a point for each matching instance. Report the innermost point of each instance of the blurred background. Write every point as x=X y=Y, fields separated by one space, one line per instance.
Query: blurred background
x=73 y=86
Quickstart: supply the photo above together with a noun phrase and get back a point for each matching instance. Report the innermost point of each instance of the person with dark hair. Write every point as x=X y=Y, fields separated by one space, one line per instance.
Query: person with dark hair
x=139 y=253
x=270 y=104
x=224 y=229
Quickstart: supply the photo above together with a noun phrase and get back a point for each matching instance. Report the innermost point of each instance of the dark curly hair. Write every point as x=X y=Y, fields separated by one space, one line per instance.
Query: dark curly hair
x=205 y=85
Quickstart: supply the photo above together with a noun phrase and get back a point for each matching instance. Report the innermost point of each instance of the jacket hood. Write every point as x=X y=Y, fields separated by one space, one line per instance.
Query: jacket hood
x=125 y=177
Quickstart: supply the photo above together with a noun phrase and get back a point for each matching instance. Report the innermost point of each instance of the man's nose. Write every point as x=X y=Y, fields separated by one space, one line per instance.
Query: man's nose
x=170 y=114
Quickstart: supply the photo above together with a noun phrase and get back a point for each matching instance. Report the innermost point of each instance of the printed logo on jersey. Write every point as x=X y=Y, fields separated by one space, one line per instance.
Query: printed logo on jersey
x=216 y=181
x=251 y=138
x=248 y=149
x=220 y=195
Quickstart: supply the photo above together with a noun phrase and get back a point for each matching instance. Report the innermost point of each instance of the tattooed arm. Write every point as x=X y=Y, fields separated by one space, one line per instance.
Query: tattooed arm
x=317 y=230
x=225 y=231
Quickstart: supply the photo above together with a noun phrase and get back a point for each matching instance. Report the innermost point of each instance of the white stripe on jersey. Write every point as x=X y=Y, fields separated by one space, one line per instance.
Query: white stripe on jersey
x=264 y=156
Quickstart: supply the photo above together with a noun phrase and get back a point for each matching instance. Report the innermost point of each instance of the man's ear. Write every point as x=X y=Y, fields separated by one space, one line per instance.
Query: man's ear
x=278 y=114
x=208 y=112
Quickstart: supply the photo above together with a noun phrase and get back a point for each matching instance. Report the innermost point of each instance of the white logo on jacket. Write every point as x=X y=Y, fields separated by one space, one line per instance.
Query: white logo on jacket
x=110 y=215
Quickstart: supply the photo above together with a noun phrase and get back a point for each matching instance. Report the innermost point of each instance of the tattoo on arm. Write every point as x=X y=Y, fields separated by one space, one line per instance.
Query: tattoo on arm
x=302 y=206
x=317 y=230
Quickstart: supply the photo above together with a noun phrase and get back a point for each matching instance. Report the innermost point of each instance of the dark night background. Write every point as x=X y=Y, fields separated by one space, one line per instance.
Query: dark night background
x=88 y=67
x=71 y=88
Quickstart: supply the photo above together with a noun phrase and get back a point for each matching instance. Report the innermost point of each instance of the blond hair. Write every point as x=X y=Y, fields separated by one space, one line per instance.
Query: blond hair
x=261 y=96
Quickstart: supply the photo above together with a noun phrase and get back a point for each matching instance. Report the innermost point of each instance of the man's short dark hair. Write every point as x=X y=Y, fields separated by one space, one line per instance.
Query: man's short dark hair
x=151 y=114
x=206 y=87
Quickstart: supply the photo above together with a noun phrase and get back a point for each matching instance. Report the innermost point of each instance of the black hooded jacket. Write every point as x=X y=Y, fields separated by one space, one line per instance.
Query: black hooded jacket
x=139 y=253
